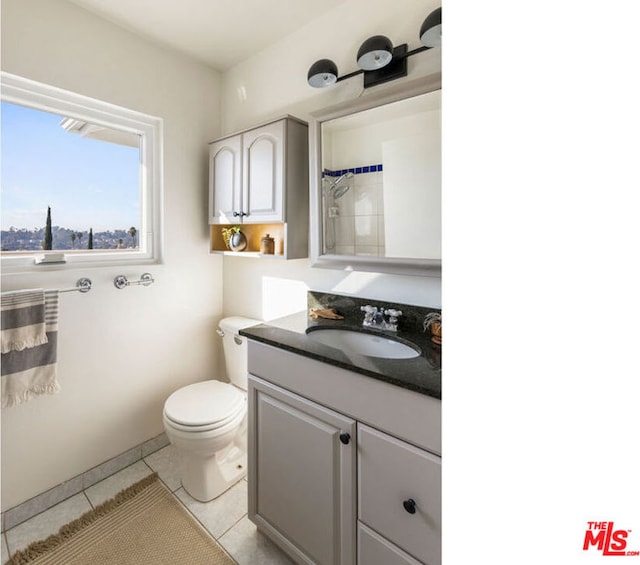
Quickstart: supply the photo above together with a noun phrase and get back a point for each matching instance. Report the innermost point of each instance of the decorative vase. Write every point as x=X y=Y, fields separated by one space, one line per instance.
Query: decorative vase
x=267 y=245
x=237 y=242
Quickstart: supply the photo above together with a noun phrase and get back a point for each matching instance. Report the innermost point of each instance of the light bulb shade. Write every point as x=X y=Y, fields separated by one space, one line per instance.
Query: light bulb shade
x=431 y=30
x=322 y=73
x=375 y=53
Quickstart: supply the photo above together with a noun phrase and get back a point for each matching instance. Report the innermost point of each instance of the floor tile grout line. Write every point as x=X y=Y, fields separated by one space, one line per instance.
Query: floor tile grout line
x=150 y=467
x=161 y=479
x=233 y=526
x=192 y=514
x=5 y=541
x=173 y=492
x=84 y=491
x=217 y=539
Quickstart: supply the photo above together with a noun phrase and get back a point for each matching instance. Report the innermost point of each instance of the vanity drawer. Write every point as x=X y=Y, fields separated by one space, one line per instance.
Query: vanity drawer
x=392 y=472
x=373 y=549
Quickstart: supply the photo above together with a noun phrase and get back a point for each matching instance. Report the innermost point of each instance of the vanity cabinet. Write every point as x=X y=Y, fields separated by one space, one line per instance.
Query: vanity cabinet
x=260 y=177
x=337 y=476
x=305 y=465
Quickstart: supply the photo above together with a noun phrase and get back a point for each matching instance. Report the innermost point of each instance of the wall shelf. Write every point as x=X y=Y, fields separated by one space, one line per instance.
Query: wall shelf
x=286 y=247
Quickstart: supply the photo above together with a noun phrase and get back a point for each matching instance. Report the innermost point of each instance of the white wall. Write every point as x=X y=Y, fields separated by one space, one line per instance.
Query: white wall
x=273 y=83
x=121 y=352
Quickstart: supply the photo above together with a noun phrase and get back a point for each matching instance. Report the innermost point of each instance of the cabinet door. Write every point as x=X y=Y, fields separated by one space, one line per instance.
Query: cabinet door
x=263 y=170
x=301 y=475
x=400 y=493
x=225 y=186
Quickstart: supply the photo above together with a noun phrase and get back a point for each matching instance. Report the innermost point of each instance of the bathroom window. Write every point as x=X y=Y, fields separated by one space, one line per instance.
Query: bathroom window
x=80 y=178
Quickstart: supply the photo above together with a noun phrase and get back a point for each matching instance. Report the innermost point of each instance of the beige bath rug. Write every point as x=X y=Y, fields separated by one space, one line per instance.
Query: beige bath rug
x=143 y=525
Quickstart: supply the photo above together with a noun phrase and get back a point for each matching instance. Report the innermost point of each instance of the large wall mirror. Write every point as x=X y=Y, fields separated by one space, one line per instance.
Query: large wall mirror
x=376 y=181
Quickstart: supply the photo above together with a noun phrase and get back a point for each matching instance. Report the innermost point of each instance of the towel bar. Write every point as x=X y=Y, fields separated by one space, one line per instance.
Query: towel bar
x=121 y=281
x=83 y=285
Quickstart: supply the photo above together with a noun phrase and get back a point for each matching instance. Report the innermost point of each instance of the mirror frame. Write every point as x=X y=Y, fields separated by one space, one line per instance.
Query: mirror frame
x=394 y=265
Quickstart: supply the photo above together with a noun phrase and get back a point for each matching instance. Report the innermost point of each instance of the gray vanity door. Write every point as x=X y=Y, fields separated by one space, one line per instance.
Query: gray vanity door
x=302 y=462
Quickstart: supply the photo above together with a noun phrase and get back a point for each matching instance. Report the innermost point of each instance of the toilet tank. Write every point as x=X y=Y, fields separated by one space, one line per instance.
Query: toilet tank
x=235 y=348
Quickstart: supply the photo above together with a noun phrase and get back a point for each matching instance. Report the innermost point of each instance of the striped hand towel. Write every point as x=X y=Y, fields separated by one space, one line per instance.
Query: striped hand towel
x=22 y=319
x=31 y=371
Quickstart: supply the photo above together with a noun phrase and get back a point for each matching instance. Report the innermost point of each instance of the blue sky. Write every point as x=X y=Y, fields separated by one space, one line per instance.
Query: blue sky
x=87 y=183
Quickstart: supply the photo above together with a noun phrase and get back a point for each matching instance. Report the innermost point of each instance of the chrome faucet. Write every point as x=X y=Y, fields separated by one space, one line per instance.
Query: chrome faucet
x=374 y=317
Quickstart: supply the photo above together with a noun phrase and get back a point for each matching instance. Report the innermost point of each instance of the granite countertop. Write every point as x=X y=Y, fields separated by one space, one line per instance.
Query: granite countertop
x=421 y=374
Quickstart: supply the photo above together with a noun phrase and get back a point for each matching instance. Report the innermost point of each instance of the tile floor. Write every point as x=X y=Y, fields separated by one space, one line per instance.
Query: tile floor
x=225 y=517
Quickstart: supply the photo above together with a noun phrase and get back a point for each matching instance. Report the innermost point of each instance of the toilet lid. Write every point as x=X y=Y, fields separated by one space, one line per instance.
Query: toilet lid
x=208 y=402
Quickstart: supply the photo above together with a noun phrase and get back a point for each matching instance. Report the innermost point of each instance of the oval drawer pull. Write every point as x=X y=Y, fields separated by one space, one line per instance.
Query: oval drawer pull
x=345 y=438
x=409 y=505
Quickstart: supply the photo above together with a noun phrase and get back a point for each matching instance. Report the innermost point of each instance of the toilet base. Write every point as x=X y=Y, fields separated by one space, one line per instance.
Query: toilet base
x=206 y=478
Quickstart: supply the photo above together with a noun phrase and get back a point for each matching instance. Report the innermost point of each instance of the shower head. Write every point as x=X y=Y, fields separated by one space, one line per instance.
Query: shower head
x=339 y=187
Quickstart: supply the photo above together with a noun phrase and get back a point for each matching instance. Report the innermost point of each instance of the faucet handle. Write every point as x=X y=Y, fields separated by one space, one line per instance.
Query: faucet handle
x=393 y=314
x=369 y=313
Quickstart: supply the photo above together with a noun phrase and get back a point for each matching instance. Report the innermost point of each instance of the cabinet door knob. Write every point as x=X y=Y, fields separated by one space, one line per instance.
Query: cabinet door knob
x=345 y=438
x=409 y=505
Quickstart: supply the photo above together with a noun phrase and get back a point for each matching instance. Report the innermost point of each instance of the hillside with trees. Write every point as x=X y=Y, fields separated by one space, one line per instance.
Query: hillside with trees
x=64 y=239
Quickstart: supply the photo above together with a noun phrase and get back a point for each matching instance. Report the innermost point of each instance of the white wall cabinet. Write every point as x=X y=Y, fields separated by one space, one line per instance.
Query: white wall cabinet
x=261 y=176
x=304 y=491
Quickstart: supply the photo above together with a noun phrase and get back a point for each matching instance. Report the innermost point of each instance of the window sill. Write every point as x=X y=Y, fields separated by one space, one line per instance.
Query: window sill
x=25 y=264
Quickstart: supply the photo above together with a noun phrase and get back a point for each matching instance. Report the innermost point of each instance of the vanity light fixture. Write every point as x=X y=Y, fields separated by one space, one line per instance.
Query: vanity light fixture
x=431 y=30
x=375 y=53
x=322 y=73
x=378 y=59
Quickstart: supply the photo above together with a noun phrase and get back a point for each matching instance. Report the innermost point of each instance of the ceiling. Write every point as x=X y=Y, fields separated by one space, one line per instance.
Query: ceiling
x=220 y=33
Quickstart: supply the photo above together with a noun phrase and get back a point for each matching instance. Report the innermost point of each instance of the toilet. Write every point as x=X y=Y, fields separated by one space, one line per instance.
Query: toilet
x=207 y=421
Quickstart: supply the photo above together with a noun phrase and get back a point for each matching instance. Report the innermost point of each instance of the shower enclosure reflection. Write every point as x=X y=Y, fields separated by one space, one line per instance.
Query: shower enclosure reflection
x=332 y=190
x=381 y=178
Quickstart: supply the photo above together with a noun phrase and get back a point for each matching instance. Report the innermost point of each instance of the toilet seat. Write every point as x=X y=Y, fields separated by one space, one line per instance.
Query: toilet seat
x=204 y=406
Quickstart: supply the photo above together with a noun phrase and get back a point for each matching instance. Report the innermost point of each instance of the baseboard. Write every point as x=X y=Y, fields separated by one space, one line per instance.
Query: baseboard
x=41 y=502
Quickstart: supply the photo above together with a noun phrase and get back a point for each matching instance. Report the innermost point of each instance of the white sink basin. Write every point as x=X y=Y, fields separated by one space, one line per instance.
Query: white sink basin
x=364 y=344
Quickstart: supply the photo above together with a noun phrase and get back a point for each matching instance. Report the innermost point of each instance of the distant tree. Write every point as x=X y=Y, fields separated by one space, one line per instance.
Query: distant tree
x=48 y=236
x=80 y=235
x=90 y=246
x=73 y=240
x=132 y=232
x=119 y=243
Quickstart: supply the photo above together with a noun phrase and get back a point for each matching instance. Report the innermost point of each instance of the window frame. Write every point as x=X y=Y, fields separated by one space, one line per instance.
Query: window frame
x=39 y=96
